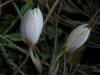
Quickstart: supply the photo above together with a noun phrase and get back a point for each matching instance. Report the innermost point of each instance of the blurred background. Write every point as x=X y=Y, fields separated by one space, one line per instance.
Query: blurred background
x=60 y=18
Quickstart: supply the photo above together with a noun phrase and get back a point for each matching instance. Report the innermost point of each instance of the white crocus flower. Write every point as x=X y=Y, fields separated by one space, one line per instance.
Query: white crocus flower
x=77 y=38
x=31 y=28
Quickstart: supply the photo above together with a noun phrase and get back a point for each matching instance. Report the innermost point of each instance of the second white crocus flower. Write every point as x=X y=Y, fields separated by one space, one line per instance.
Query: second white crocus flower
x=31 y=28
x=77 y=38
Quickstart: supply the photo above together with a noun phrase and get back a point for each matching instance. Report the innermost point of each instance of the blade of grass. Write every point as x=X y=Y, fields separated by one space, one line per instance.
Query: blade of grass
x=20 y=49
x=17 y=9
x=55 y=43
x=9 y=62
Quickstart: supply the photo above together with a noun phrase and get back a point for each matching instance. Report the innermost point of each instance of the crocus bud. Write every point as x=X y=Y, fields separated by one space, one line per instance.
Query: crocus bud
x=77 y=38
x=31 y=26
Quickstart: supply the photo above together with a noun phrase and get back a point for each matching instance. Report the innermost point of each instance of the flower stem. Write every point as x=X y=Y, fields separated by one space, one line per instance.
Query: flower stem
x=35 y=60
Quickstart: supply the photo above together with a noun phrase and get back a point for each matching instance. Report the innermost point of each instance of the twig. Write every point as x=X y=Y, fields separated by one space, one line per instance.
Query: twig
x=4 y=54
x=18 y=69
x=51 y=11
x=92 y=44
x=21 y=65
x=91 y=24
x=3 y=4
x=78 y=9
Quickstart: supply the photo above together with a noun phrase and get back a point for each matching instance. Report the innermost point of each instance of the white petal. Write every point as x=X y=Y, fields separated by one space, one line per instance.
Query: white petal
x=76 y=31
x=24 y=23
x=77 y=37
x=31 y=25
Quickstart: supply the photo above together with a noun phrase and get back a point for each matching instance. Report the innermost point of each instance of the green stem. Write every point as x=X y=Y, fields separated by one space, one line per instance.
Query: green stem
x=55 y=44
x=58 y=57
x=35 y=60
